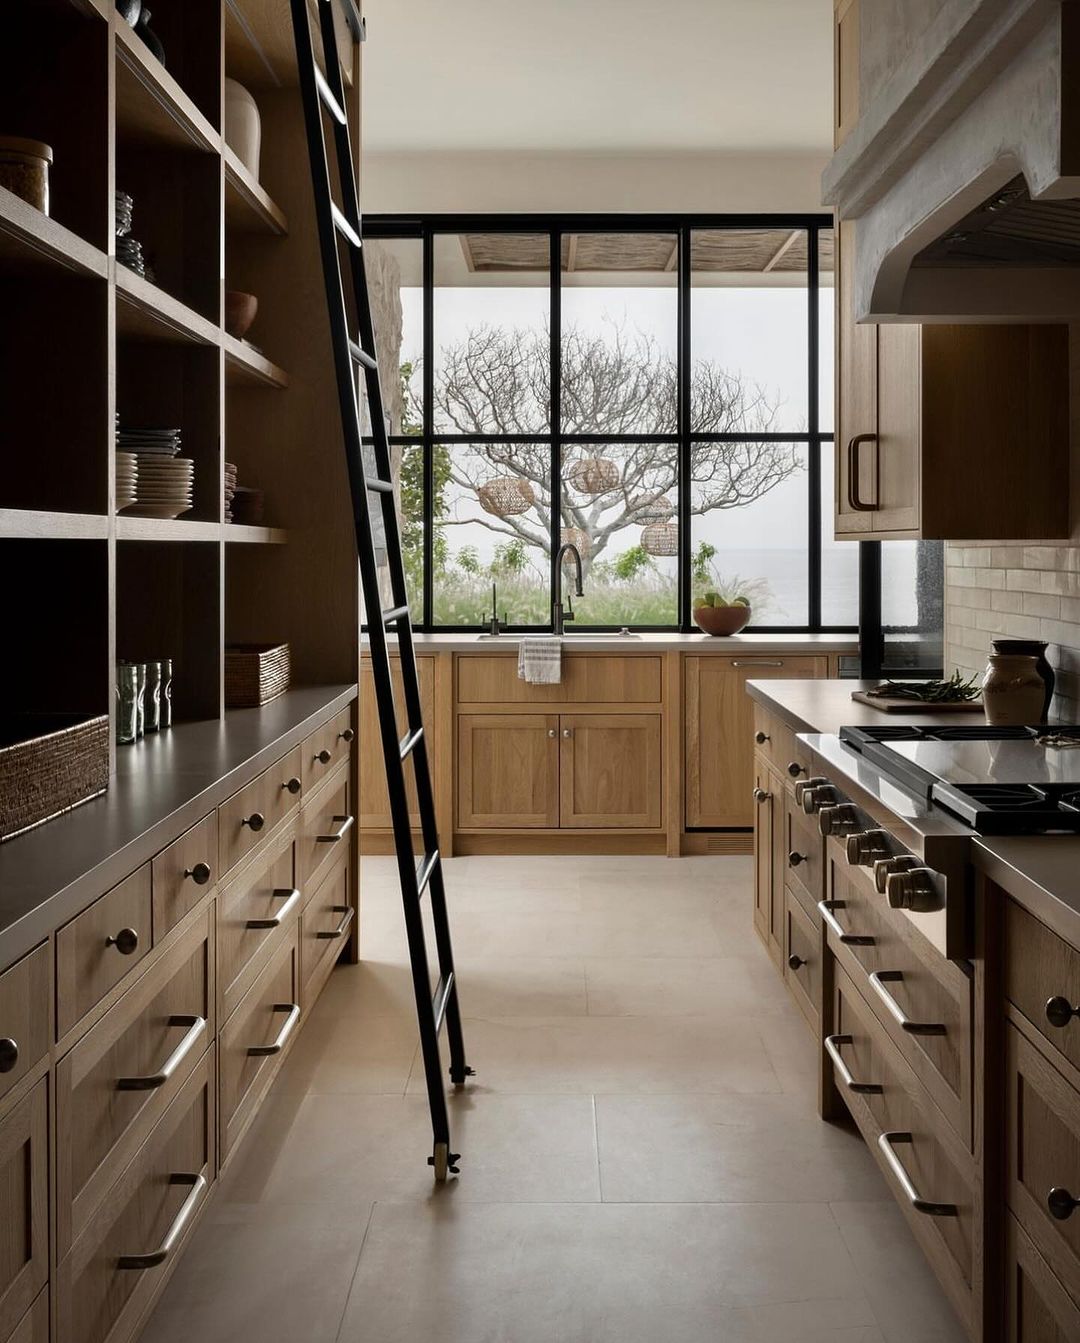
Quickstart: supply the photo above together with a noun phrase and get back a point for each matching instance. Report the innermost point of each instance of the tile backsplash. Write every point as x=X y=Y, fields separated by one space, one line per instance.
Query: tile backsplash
x=1023 y=590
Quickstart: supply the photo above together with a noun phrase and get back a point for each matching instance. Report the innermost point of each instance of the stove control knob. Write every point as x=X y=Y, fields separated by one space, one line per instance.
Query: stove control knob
x=813 y=799
x=914 y=889
x=839 y=819
x=864 y=846
x=885 y=867
x=804 y=786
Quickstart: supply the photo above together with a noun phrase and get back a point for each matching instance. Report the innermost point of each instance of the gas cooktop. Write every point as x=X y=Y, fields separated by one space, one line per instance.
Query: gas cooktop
x=999 y=780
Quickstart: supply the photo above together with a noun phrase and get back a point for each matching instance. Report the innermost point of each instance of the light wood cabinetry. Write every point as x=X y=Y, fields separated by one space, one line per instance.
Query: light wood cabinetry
x=374 y=804
x=34 y=1325
x=610 y=770
x=846 y=66
x=25 y=1026
x=1037 y=1307
x=24 y=1206
x=768 y=883
x=507 y=771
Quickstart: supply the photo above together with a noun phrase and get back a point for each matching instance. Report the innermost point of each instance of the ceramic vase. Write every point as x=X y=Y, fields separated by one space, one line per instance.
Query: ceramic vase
x=1013 y=691
x=1035 y=648
x=243 y=127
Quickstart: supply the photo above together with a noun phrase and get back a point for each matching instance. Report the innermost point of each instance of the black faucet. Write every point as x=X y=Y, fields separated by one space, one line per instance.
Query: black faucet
x=559 y=617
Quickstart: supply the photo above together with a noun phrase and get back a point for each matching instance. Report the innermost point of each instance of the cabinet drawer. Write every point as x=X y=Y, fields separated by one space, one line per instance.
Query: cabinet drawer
x=929 y=1173
x=1042 y=979
x=923 y=1002
x=325 y=827
x=115 y=1268
x=587 y=678
x=250 y=910
x=324 y=929
x=802 y=966
x=95 y=951
x=249 y=816
x=34 y=1325
x=114 y=1085
x=183 y=873
x=326 y=748
x=803 y=856
x=253 y=1042
x=25 y=998
x=1037 y=1307
x=24 y=1206
x=1044 y=1156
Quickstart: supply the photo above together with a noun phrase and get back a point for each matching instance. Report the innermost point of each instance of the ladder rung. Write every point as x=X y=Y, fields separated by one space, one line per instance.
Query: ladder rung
x=361 y=356
x=377 y=485
x=328 y=100
x=394 y=614
x=405 y=746
x=343 y=226
x=424 y=870
x=442 y=997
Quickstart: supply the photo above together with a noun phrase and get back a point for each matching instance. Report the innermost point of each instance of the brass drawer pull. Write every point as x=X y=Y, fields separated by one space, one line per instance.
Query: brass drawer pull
x=292 y=785
x=323 y=757
x=347 y=735
x=1061 y=1204
x=293 y=1009
x=346 y=912
x=126 y=941
x=887 y=1143
x=255 y=821
x=165 y=1249
x=9 y=1054
x=878 y=980
x=344 y=825
x=196 y=1026
x=825 y=909
x=276 y=920
x=855 y=502
x=200 y=874
x=832 y=1045
x=1059 y=1011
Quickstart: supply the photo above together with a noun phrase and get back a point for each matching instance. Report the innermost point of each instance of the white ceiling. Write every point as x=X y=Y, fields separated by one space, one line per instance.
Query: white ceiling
x=598 y=75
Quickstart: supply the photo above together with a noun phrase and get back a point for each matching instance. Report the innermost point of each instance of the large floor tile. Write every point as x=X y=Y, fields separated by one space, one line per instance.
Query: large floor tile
x=353 y=1053
x=642 y=986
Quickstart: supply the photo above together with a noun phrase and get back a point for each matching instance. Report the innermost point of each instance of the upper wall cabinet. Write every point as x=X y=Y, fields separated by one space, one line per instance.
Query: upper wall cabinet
x=846 y=65
x=948 y=432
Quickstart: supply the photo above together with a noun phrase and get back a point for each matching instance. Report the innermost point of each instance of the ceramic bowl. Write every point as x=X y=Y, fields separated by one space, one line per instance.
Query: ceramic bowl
x=240 y=310
x=721 y=620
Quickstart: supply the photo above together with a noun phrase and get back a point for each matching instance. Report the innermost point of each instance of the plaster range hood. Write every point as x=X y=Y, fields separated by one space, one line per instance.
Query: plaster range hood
x=963 y=172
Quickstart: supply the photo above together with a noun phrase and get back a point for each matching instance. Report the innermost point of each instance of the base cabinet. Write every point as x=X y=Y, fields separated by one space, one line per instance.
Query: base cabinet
x=507 y=771
x=24 y=1206
x=1037 y=1307
x=374 y=799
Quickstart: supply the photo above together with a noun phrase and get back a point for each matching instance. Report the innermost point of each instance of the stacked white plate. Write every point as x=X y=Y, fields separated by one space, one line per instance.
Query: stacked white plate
x=127 y=477
x=165 y=486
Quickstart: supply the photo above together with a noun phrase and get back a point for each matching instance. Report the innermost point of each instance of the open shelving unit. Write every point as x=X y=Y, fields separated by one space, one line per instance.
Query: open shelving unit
x=90 y=340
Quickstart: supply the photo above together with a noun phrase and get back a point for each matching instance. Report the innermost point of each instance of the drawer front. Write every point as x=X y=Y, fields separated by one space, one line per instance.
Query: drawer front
x=324 y=930
x=24 y=1206
x=587 y=678
x=254 y=1040
x=804 y=855
x=326 y=748
x=117 y=1265
x=802 y=965
x=1037 y=1308
x=250 y=911
x=95 y=951
x=1042 y=979
x=923 y=1002
x=122 y=1075
x=34 y=1325
x=928 y=1172
x=1044 y=1158
x=183 y=873
x=251 y=815
x=325 y=827
x=25 y=998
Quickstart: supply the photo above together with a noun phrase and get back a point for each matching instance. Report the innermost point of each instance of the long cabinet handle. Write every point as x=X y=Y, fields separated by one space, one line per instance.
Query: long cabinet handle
x=832 y=1045
x=825 y=909
x=276 y=920
x=757 y=662
x=887 y=1144
x=878 y=980
x=344 y=825
x=855 y=502
x=346 y=912
x=196 y=1026
x=165 y=1249
x=293 y=1010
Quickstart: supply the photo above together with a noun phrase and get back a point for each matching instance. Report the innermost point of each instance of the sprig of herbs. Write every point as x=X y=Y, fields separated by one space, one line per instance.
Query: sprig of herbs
x=955 y=690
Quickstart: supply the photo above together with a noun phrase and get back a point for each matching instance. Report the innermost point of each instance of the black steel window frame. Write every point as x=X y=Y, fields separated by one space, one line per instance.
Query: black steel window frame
x=425 y=228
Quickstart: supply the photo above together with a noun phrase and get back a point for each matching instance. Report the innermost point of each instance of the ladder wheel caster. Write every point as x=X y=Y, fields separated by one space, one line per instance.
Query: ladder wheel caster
x=459 y=1079
x=443 y=1162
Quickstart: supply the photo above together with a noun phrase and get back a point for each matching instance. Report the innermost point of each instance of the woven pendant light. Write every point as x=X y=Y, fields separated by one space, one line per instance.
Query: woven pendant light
x=574 y=536
x=647 y=509
x=593 y=475
x=506 y=496
x=660 y=538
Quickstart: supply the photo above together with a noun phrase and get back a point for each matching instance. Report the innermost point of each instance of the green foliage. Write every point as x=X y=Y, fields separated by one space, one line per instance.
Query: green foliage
x=701 y=562
x=468 y=560
x=509 y=559
x=630 y=564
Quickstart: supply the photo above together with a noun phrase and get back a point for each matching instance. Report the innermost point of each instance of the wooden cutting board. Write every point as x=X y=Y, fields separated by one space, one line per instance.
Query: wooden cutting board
x=897 y=704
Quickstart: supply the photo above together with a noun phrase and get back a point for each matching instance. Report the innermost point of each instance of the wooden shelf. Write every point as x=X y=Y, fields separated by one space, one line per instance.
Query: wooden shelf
x=259 y=45
x=34 y=525
x=248 y=208
x=151 y=107
x=165 y=529
x=31 y=240
x=246 y=367
x=266 y=536
x=146 y=312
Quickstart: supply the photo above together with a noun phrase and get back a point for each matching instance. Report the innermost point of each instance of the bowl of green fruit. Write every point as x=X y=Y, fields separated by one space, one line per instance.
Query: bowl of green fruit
x=715 y=615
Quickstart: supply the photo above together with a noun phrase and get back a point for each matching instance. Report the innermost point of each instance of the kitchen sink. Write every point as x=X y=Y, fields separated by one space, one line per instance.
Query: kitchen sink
x=567 y=638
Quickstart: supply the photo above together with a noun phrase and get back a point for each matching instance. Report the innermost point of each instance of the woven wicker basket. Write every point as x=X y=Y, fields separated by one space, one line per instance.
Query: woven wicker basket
x=255 y=674
x=49 y=764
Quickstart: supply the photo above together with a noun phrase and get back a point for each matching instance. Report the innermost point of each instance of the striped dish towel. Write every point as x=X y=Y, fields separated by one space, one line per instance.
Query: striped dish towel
x=540 y=660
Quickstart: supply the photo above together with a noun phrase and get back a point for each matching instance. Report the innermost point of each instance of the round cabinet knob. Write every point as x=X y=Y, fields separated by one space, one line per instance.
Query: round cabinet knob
x=567 y=733
x=914 y=889
x=1059 y=1011
x=552 y=732
x=885 y=867
x=126 y=941
x=816 y=798
x=804 y=785
x=795 y=858
x=347 y=735
x=795 y=962
x=863 y=847
x=1061 y=1204
x=9 y=1055
x=293 y=785
x=255 y=821
x=324 y=757
x=760 y=796
x=761 y=738
x=199 y=874
x=795 y=769
x=838 y=819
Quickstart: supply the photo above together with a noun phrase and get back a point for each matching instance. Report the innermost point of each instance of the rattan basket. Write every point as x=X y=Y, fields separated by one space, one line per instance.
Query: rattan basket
x=255 y=674
x=49 y=764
